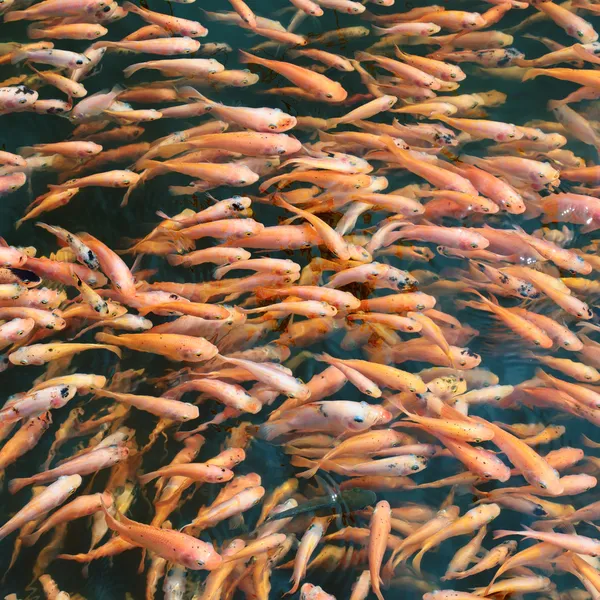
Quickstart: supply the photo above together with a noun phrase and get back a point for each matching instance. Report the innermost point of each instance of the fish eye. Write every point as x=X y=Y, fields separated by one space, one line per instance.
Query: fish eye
x=79 y=61
x=473 y=245
x=271 y=126
x=453 y=75
x=543 y=486
x=329 y=95
x=580 y=33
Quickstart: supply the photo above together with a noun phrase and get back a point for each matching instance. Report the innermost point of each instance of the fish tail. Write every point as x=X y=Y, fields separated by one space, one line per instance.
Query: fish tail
x=363 y=56
x=15 y=15
x=106 y=338
x=150 y=164
x=114 y=349
x=75 y=557
x=30 y=540
x=416 y=564
x=131 y=69
x=17 y=56
x=175 y=259
x=246 y=57
x=491 y=583
x=267 y=184
x=14 y=485
x=400 y=53
x=532 y=74
x=102 y=44
x=26 y=150
x=271 y=430
x=85 y=330
x=197 y=95
x=309 y=473
x=477 y=293
x=220 y=271
x=110 y=520
x=144 y=479
x=262 y=293
x=500 y=533
x=248 y=311
x=130 y=7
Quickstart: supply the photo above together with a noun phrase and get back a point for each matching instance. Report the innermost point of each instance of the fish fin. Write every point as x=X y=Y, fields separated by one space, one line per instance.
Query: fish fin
x=14 y=485
x=147 y=477
x=106 y=337
x=30 y=540
x=416 y=564
x=246 y=57
x=532 y=74
x=114 y=349
x=236 y=522
x=500 y=533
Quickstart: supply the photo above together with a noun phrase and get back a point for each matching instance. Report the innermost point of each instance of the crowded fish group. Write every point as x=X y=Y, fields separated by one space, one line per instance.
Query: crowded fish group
x=280 y=392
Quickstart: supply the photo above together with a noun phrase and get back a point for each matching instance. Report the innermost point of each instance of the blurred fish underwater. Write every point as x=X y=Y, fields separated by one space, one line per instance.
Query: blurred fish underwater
x=298 y=297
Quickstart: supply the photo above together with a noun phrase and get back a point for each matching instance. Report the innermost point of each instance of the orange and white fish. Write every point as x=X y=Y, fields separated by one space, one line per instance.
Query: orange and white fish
x=173 y=25
x=321 y=86
x=178 y=347
x=380 y=528
x=54 y=495
x=39 y=354
x=174 y=546
x=161 y=46
x=82 y=506
x=81 y=465
x=339 y=416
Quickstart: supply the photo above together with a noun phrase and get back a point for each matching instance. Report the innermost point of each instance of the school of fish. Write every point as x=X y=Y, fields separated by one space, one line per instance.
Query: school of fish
x=385 y=208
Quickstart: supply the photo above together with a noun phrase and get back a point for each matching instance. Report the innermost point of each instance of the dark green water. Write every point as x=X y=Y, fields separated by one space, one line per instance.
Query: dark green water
x=97 y=211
